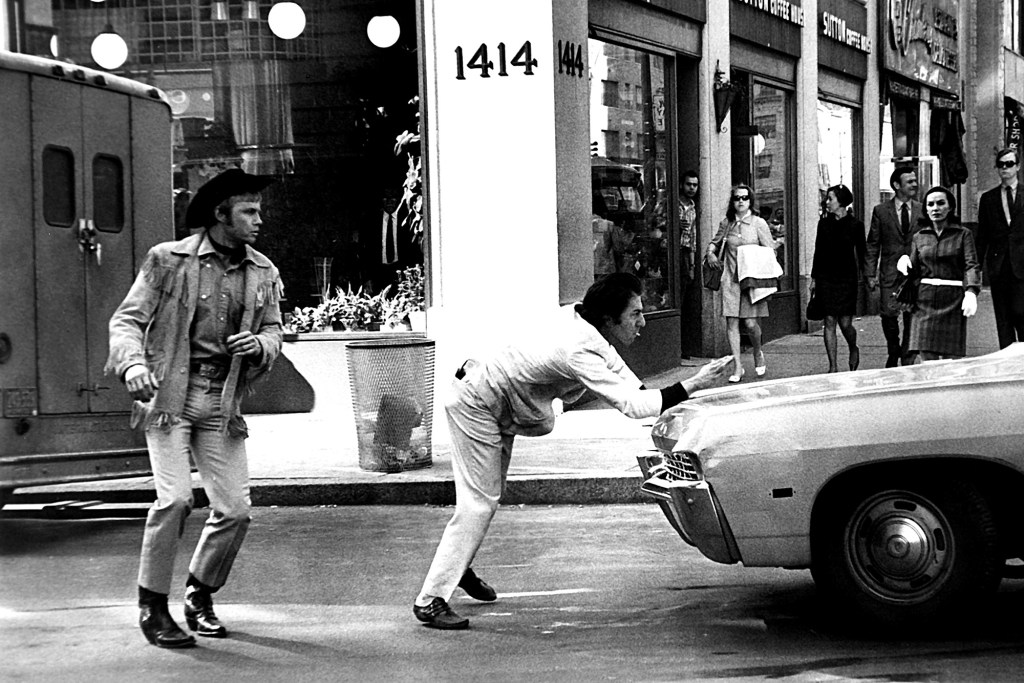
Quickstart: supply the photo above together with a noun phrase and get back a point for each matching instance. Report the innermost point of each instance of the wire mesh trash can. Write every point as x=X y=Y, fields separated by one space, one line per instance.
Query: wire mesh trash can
x=392 y=384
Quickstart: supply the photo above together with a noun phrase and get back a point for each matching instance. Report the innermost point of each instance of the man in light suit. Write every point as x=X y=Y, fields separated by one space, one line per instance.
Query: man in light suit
x=893 y=224
x=1000 y=243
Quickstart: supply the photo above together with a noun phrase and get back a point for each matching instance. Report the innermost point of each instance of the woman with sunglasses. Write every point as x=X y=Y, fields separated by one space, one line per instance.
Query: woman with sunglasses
x=944 y=259
x=740 y=226
x=835 y=272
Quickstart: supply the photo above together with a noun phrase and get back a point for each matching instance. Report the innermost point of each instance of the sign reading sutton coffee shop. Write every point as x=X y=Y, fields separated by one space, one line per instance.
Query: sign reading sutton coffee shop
x=920 y=41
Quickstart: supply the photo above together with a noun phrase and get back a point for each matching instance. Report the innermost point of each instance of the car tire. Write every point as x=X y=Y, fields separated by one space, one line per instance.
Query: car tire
x=905 y=552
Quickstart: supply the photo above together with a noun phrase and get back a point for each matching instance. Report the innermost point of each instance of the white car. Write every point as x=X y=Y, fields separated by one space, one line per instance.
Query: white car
x=901 y=489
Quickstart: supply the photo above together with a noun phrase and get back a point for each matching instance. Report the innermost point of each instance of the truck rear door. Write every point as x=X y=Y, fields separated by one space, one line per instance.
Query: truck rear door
x=83 y=240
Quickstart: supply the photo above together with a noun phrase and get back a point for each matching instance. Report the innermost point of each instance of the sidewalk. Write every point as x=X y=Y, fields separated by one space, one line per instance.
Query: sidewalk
x=310 y=459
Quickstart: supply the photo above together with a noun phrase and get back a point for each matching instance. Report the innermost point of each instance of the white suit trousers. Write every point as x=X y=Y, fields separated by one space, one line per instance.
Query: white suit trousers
x=480 y=458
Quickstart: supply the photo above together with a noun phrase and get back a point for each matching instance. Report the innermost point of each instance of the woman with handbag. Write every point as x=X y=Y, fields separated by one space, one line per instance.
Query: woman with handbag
x=740 y=226
x=944 y=261
x=835 y=272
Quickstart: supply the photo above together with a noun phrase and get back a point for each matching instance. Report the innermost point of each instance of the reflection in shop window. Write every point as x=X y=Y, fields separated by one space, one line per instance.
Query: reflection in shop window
x=629 y=174
x=610 y=93
x=771 y=172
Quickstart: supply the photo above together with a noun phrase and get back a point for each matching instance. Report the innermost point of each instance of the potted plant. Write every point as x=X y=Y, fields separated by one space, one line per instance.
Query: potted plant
x=411 y=294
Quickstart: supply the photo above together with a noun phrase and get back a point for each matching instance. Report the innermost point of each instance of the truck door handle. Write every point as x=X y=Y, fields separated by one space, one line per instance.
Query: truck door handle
x=87 y=239
x=95 y=388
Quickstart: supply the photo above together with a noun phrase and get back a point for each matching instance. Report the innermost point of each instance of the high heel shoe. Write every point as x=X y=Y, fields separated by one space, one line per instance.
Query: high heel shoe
x=734 y=379
x=759 y=370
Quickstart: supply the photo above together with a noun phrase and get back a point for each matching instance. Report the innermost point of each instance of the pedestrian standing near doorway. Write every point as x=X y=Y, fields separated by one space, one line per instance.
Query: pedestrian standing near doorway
x=740 y=226
x=511 y=393
x=1001 y=247
x=893 y=224
x=944 y=260
x=201 y=322
x=689 y=213
x=835 y=273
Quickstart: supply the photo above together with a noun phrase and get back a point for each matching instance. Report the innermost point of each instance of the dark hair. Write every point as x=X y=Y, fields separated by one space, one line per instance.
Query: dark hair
x=842 y=193
x=730 y=211
x=689 y=174
x=1008 y=150
x=897 y=175
x=608 y=297
x=952 y=217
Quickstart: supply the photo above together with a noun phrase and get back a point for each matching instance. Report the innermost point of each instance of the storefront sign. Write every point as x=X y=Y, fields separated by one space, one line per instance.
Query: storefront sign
x=835 y=28
x=921 y=41
x=1013 y=116
x=783 y=9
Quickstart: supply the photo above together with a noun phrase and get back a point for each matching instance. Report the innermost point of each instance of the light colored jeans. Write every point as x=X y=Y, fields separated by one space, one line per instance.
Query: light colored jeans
x=224 y=471
x=480 y=459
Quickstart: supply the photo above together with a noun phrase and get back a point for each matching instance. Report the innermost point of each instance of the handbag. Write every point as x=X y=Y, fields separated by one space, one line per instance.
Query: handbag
x=814 y=309
x=711 y=276
x=905 y=294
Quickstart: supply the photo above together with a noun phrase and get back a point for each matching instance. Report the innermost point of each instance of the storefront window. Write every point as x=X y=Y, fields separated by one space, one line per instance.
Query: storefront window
x=835 y=147
x=322 y=113
x=628 y=168
x=770 y=148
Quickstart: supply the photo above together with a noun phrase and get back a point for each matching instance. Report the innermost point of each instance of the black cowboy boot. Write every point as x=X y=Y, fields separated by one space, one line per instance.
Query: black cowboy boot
x=156 y=622
x=199 y=611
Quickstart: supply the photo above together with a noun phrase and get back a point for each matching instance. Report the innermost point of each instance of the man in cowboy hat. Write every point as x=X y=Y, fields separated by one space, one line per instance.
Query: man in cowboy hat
x=201 y=322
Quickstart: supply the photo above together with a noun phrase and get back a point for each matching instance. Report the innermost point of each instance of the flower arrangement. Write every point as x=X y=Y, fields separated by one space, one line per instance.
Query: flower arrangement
x=408 y=143
x=359 y=310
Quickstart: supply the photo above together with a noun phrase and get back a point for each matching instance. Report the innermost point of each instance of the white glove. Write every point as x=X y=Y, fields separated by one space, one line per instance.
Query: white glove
x=134 y=371
x=970 y=304
x=904 y=264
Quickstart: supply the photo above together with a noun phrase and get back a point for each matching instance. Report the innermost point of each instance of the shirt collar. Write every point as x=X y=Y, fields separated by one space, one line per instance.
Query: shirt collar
x=206 y=249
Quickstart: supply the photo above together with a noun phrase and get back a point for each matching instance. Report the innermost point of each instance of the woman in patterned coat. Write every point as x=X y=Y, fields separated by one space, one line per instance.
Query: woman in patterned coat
x=945 y=259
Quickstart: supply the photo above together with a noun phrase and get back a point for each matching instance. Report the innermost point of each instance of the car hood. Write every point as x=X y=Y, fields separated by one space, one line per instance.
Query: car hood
x=744 y=414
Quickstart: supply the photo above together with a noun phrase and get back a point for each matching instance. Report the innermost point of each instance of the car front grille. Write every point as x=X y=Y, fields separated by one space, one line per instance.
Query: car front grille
x=679 y=466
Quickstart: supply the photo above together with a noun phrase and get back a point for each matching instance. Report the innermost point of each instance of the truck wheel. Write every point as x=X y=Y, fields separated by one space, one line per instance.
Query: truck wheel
x=906 y=552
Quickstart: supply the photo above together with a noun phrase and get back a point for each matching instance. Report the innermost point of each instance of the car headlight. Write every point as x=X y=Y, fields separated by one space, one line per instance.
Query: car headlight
x=681 y=466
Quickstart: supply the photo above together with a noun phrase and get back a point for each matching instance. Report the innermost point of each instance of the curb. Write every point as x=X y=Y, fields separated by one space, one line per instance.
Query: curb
x=555 y=490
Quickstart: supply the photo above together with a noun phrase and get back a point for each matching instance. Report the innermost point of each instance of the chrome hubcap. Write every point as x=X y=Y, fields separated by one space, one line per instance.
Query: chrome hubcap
x=899 y=547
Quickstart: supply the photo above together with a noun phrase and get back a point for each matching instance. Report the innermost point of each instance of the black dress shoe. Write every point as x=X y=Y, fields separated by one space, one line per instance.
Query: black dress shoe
x=476 y=588
x=439 y=615
x=160 y=630
x=199 y=614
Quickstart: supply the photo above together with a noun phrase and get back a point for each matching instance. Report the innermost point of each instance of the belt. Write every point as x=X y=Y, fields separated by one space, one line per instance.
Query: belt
x=209 y=370
x=937 y=282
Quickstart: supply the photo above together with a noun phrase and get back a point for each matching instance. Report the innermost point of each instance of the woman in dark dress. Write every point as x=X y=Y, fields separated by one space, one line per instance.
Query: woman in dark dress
x=835 y=273
x=943 y=256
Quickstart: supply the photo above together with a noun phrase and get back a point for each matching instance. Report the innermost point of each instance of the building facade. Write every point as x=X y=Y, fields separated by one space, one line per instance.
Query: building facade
x=550 y=137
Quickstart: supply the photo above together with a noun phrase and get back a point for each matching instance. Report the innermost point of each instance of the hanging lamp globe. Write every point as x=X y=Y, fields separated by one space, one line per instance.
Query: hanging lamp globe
x=383 y=31
x=287 y=20
x=108 y=49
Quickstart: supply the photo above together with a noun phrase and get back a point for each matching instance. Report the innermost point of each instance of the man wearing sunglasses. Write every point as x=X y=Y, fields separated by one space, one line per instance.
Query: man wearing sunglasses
x=1000 y=243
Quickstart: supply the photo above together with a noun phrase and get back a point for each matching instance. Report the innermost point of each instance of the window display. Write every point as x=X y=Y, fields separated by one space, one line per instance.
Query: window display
x=629 y=140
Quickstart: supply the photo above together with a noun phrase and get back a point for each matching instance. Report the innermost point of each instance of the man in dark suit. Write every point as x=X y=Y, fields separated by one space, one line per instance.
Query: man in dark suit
x=1000 y=243
x=389 y=246
x=893 y=224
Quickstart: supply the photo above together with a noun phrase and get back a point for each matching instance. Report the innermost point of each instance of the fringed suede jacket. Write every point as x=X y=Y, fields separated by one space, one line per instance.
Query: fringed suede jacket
x=151 y=327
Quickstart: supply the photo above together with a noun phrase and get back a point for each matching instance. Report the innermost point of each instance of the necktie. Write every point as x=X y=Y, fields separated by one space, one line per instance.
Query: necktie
x=390 y=240
x=1009 y=201
x=904 y=219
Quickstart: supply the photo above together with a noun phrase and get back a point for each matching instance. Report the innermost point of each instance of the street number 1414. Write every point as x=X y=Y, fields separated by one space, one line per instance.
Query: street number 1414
x=522 y=59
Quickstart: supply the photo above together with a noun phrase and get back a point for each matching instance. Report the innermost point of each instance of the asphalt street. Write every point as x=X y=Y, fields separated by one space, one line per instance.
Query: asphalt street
x=585 y=593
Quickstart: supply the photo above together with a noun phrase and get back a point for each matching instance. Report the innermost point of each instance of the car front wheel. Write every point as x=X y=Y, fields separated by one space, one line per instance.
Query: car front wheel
x=906 y=552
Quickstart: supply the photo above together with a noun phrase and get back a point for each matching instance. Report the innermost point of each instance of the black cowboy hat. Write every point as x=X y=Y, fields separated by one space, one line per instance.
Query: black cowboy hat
x=230 y=183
